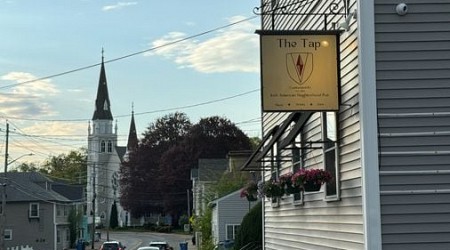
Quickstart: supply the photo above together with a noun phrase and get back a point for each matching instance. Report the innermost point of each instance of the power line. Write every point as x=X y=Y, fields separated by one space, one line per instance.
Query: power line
x=130 y=55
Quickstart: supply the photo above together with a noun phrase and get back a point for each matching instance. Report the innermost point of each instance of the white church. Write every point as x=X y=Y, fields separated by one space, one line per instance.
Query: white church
x=104 y=159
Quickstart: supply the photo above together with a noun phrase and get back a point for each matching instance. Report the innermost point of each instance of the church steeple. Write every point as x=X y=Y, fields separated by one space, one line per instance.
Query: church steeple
x=132 y=135
x=102 y=103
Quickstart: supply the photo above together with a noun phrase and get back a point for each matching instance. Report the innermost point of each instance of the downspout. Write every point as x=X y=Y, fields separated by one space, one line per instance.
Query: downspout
x=368 y=121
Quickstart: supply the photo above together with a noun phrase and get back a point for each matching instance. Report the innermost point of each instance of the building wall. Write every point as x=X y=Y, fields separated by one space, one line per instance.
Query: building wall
x=230 y=210
x=317 y=223
x=413 y=76
x=38 y=233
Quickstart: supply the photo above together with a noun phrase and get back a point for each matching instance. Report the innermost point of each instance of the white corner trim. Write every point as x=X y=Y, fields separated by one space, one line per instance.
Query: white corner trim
x=368 y=121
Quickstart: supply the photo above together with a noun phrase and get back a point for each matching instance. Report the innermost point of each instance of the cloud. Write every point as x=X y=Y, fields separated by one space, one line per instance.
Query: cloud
x=118 y=5
x=27 y=99
x=233 y=49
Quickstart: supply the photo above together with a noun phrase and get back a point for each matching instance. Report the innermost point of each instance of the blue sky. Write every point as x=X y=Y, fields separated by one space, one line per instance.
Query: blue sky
x=214 y=70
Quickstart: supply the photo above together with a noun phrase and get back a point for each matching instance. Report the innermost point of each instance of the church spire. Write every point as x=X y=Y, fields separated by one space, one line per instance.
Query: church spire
x=102 y=103
x=132 y=135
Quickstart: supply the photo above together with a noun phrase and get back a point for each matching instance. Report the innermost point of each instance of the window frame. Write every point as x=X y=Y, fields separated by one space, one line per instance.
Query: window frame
x=102 y=146
x=8 y=236
x=235 y=229
x=330 y=148
x=109 y=146
x=298 y=163
x=31 y=210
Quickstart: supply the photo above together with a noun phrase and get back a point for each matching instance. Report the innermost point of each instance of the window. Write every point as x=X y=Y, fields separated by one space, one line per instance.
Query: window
x=274 y=168
x=66 y=210
x=102 y=146
x=330 y=153
x=232 y=231
x=58 y=236
x=298 y=158
x=110 y=146
x=8 y=234
x=34 y=210
x=67 y=235
x=58 y=210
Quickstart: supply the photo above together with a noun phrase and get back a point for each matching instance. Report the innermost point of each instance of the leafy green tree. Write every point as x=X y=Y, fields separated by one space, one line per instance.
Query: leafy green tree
x=74 y=220
x=203 y=224
x=71 y=167
x=27 y=167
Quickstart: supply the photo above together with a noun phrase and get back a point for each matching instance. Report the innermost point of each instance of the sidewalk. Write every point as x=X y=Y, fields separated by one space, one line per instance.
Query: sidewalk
x=97 y=245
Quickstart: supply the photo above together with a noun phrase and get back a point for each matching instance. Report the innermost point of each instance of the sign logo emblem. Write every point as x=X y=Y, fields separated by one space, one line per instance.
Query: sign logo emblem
x=299 y=66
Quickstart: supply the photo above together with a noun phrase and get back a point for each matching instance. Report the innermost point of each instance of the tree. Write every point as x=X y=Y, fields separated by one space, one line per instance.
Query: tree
x=212 y=137
x=215 y=137
x=251 y=228
x=140 y=175
x=28 y=167
x=74 y=219
x=113 y=220
x=71 y=167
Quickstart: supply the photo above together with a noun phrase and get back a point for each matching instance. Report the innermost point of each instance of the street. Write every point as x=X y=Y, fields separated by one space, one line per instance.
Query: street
x=133 y=240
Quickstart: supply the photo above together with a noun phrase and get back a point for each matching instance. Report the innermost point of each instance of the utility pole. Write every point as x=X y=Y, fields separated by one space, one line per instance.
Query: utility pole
x=93 y=209
x=3 y=211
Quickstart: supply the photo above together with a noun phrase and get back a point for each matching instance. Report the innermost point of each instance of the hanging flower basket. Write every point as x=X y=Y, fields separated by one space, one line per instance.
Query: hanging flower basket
x=310 y=186
x=286 y=183
x=252 y=197
x=250 y=191
x=311 y=180
x=272 y=189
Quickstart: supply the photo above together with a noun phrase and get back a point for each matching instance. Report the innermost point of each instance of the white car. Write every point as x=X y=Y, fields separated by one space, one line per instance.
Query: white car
x=148 y=248
x=161 y=244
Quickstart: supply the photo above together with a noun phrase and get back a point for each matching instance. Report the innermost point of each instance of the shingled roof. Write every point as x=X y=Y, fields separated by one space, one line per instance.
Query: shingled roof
x=30 y=186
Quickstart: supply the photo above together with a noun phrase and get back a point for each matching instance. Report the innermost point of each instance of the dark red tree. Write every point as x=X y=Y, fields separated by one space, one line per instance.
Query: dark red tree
x=140 y=174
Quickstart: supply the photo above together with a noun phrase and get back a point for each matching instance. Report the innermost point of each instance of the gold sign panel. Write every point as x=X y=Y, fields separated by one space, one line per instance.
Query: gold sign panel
x=299 y=72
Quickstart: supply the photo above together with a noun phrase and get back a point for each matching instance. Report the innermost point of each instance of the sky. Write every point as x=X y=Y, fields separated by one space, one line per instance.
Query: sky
x=199 y=57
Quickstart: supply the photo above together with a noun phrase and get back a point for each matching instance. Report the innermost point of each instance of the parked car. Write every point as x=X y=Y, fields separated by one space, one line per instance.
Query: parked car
x=161 y=244
x=112 y=245
x=148 y=248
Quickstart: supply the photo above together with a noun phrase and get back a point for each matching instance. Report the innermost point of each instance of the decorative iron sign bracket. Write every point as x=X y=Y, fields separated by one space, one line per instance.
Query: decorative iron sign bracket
x=305 y=9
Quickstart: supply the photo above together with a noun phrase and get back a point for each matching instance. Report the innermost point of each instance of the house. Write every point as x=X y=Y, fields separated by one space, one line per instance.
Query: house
x=379 y=123
x=36 y=214
x=207 y=173
x=227 y=214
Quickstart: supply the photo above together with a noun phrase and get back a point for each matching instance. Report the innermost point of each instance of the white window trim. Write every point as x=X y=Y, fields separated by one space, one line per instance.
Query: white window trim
x=299 y=140
x=31 y=210
x=234 y=231
x=335 y=148
x=10 y=234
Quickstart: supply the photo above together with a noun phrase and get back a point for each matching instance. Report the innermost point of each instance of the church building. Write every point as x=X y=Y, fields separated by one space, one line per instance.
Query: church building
x=104 y=159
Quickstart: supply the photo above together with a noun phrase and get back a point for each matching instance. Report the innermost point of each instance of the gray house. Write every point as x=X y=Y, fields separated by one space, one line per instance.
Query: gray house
x=385 y=142
x=36 y=215
x=227 y=214
x=207 y=173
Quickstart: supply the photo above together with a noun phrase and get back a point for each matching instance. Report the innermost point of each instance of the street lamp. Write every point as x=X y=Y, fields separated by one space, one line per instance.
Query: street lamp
x=3 y=210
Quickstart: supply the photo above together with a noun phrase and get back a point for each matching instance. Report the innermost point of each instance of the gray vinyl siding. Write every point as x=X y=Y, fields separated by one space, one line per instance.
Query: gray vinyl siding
x=413 y=99
x=317 y=223
x=38 y=233
x=230 y=210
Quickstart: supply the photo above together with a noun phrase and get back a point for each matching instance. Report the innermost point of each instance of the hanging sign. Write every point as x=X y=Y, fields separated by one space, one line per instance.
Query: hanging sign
x=299 y=71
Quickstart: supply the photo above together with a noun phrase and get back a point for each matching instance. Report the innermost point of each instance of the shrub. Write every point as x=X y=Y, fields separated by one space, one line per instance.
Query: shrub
x=251 y=228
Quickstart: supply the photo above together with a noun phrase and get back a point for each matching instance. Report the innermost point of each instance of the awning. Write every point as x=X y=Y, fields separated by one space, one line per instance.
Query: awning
x=254 y=162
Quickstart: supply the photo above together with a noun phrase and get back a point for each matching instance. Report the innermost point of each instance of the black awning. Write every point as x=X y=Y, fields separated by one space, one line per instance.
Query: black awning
x=254 y=162
x=251 y=164
x=296 y=129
